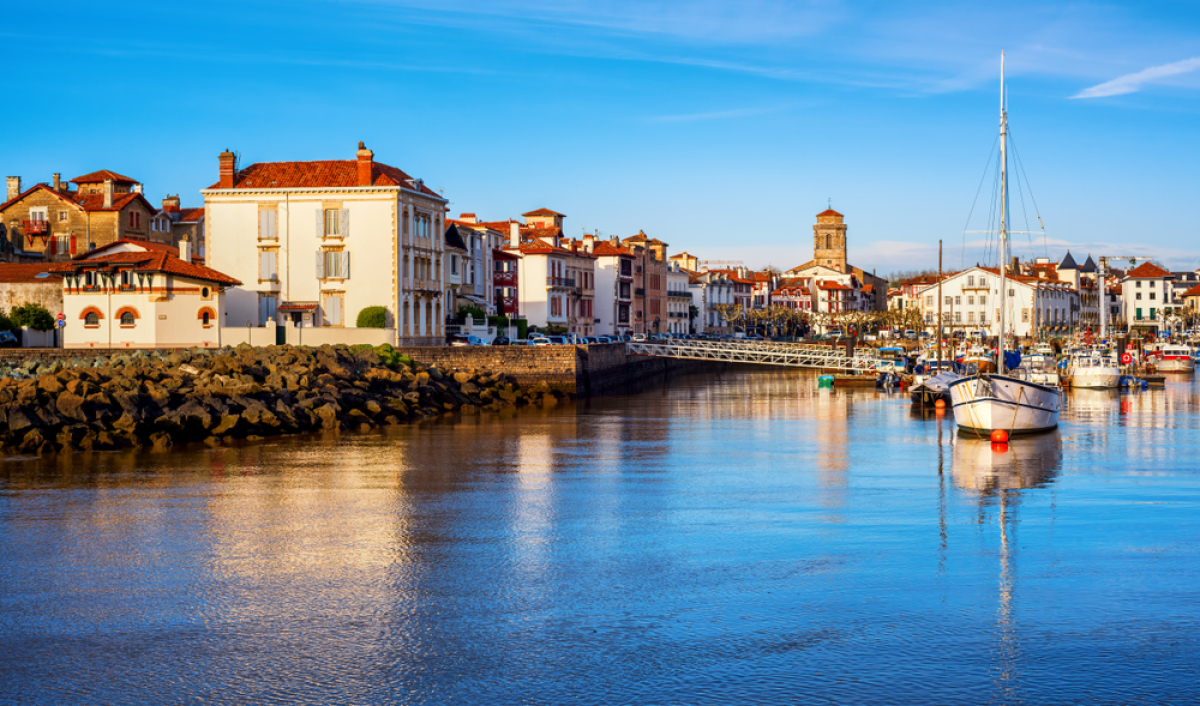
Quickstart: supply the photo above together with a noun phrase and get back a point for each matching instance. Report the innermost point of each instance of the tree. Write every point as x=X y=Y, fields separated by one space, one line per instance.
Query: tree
x=372 y=317
x=32 y=315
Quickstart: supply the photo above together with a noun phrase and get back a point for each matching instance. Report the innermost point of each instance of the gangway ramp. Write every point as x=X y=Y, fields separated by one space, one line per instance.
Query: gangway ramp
x=796 y=355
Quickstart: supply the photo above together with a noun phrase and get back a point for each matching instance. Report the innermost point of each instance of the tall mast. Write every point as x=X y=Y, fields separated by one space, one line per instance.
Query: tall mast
x=1003 y=220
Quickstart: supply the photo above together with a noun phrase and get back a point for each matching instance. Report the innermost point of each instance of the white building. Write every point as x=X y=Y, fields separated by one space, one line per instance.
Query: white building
x=614 y=286
x=679 y=299
x=136 y=295
x=971 y=300
x=1148 y=297
x=315 y=243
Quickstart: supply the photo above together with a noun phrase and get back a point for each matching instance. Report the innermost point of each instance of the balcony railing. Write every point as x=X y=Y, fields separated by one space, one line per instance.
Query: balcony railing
x=32 y=227
x=505 y=279
x=639 y=292
x=560 y=282
x=507 y=305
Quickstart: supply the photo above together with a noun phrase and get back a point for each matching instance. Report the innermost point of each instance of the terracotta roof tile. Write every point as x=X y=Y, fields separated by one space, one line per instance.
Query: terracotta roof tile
x=828 y=212
x=1193 y=292
x=544 y=212
x=23 y=273
x=102 y=176
x=190 y=215
x=1147 y=270
x=145 y=244
x=342 y=173
x=154 y=261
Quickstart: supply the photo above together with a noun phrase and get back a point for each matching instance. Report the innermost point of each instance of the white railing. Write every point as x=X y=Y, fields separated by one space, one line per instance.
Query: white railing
x=797 y=355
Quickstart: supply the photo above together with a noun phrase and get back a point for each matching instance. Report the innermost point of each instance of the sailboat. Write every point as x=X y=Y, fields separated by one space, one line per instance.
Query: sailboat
x=986 y=402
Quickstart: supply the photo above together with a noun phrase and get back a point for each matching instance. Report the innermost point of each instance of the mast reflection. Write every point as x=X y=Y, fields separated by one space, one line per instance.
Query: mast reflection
x=997 y=474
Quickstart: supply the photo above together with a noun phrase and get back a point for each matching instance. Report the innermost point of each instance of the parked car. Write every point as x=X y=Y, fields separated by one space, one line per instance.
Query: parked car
x=460 y=341
x=638 y=337
x=910 y=335
x=539 y=341
x=501 y=341
x=557 y=340
x=8 y=340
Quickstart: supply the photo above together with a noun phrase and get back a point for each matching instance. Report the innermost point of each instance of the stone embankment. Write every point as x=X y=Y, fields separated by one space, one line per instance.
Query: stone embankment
x=157 y=399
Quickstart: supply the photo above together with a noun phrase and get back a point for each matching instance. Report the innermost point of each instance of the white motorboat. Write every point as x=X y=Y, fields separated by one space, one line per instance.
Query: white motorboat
x=1173 y=358
x=1014 y=403
x=1095 y=371
x=1042 y=369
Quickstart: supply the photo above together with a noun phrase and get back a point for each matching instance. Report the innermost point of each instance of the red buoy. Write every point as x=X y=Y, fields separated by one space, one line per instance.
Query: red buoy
x=939 y=403
x=1000 y=436
x=999 y=447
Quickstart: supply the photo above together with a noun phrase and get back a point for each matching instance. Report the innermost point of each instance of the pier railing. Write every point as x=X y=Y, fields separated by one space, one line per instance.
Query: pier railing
x=796 y=355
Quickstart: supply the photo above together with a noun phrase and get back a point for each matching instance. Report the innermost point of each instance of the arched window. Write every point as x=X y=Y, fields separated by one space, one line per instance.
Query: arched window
x=827 y=242
x=204 y=318
x=127 y=319
x=91 y=319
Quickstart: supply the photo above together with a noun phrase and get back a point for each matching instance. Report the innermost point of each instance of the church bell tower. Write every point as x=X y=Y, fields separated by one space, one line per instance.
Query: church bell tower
x=829 y=240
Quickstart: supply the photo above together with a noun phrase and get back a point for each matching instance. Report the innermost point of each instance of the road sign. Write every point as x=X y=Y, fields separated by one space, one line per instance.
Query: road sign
x=62 y=323
x=62 y=317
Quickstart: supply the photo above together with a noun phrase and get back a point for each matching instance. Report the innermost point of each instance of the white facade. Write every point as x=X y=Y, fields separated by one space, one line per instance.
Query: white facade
x=971 y=301
x=679 y=299
x=340 y=248
x=1147 y=297
x=614 y=289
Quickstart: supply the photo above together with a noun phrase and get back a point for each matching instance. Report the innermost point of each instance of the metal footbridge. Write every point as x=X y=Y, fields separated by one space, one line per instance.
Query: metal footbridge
x=796 y=355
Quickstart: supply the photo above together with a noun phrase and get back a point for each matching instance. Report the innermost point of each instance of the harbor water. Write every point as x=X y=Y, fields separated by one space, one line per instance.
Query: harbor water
x=734 y=538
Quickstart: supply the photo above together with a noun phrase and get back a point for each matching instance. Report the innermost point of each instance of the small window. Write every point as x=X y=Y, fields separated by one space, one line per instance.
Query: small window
x=333 y=222
x=126 y=319
x=205 y=319
x=91 y=319
x=206 y=294
x=62 y=216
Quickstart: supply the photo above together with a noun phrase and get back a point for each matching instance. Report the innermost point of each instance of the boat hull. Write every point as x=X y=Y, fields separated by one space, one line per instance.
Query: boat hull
x=1096 y=378
x=986 y=403
x=1175 y=365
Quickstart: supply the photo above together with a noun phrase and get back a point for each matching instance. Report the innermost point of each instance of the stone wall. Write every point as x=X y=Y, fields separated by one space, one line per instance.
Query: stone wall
x=579 y=370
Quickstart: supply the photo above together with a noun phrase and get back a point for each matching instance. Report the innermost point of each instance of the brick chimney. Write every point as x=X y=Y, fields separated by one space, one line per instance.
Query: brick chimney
x=514 y=234
x=108 y=193
x=228 y=171
x=14 y=187
x=185 y=250
x=589 y=242
x=366 y=162
x=468 y=218
x=171 y=204
x=57 y=181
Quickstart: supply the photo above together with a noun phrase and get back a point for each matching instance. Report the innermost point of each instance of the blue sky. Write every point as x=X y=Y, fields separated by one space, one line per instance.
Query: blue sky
x=719 y=126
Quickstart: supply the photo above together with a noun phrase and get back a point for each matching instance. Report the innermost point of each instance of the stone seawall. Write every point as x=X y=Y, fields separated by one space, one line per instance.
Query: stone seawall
x=582 y=371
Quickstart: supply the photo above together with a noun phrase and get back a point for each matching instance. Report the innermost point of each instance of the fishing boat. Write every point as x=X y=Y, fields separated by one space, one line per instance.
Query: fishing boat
x=982 y=359
x=1173 y=358
x=986 y=402
x=1094 y=370
x=1041 y=368
x=891 y=359
x=933 y=388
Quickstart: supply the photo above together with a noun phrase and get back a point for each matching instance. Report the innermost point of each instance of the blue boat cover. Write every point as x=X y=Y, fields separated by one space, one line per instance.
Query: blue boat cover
x=1012 y=359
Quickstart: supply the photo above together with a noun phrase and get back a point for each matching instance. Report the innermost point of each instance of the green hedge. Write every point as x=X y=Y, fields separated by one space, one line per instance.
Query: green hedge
x=372 y=317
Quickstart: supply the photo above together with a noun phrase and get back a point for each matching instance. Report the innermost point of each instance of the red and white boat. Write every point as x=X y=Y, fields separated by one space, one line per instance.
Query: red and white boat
x=1172 y=358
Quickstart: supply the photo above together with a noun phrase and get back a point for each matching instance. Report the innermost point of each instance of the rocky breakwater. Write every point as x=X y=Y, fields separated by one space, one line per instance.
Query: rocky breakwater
x=156 y=400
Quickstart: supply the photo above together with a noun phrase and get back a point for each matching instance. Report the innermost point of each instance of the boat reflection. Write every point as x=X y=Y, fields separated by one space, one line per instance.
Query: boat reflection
x=1022 y=464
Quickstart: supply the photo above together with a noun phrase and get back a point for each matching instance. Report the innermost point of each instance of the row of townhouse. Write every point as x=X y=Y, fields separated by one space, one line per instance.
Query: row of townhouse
x=1049 y=298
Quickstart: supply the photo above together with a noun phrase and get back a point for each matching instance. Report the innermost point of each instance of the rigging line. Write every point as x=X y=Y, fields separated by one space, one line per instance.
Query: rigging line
x=1032 y=198
x=982 y=178
x=993 y=220
x=1024 y=211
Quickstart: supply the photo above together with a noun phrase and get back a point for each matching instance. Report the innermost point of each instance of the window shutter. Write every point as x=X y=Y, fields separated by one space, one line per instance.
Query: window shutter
x=337 y=308
x=72 y=245
x=345 y=265
x=345 y=223
x=264 y=228
x=272 y=221
x=264 y=259
x=320 y=264
x=320 y=223
x=54 y=246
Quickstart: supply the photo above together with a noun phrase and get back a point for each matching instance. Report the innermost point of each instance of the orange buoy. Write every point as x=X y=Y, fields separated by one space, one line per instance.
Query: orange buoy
x=939 y=403
x=999 y=447
x=1000 y=436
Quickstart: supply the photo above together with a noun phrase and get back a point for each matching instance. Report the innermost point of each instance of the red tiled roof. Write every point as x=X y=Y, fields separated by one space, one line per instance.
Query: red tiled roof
x=88 y=202
x=341 y=173
x=1193 y=292
x=68 y=196
x=190 y=215
x=607 y=249
x=144 y=244
x=544 y=212
x=639 y=238
x=154 y=261
x=23 y=273
x=833 y=286
x=828 y=212
x=1147 y=270
x=102 y=176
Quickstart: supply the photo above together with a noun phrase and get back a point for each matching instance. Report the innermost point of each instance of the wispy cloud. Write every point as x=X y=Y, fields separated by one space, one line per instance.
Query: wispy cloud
x=720 y=114
x=1132 y=83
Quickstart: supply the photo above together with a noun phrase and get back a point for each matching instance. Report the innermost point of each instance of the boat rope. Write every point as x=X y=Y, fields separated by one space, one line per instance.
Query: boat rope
x=978 y=190
x=1036 y=210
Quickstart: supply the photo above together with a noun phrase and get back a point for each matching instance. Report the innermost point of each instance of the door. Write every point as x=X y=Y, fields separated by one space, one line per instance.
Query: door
x=281 y=334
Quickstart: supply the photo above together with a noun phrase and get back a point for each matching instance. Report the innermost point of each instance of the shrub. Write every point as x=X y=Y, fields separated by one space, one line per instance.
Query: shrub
x=32 y=315
x=6 y=323
x=473 y=311
x=372 y=317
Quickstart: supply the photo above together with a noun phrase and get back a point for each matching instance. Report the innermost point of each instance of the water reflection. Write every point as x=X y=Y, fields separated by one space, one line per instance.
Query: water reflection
x=736 y=538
